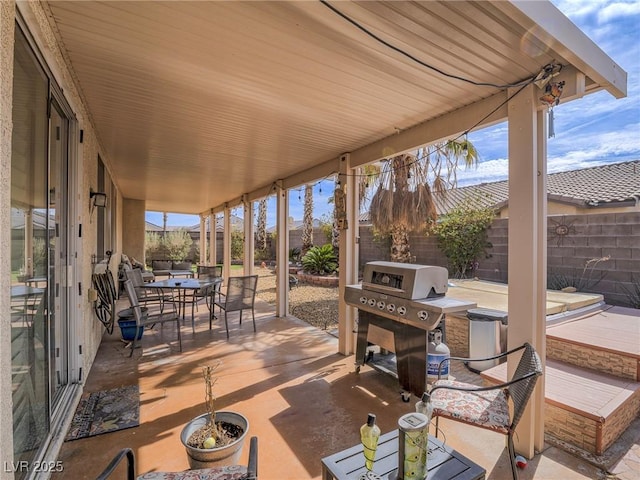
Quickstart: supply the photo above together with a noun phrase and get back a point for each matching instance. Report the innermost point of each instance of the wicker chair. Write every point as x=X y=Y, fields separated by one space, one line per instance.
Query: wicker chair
x=488 y=407
x=250 y=472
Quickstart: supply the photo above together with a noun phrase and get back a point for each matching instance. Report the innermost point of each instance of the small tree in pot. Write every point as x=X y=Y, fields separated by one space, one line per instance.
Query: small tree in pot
x=214 y=438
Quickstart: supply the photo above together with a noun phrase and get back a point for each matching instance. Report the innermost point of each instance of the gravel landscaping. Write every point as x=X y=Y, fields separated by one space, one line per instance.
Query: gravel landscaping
x=316 y=305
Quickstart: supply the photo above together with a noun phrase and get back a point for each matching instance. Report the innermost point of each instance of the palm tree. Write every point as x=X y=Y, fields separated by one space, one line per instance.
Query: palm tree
x=335 y=231
x=262 y=224
x=403 y=201
x=307 y=220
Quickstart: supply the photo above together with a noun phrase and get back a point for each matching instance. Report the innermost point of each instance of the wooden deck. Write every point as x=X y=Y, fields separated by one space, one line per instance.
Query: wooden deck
x=584 y=408
x=614 y=329
x=592 y=377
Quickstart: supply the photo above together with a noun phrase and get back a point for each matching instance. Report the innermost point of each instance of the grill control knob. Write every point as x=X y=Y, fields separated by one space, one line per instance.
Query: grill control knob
x=402 y=310
x=372 y=302
x=391 y=308
x=363 y=300
x=423 y=315
x=381 y=305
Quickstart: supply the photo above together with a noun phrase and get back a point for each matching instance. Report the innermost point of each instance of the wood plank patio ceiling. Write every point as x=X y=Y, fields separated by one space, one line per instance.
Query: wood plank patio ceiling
x=196 y=103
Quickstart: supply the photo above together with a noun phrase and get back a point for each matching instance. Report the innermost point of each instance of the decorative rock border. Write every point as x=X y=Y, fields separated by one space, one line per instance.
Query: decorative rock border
x=318 y=280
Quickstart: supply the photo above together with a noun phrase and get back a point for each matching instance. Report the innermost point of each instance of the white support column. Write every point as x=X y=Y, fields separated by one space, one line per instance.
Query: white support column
x=540 y=339
x=249 y=238
x=527 y=239
x=282 y=251
x=213 y=238
x=349 y=254
x=203 y=240
x=226 y=247
x=28 y=242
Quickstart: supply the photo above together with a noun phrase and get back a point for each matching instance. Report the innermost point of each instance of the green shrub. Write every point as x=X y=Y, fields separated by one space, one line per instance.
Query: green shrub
x=237 y=244
x=174 y=245
x=177 y=244
x=294 y=254
x=462 y=237
x=320 y=260
x=326 y=226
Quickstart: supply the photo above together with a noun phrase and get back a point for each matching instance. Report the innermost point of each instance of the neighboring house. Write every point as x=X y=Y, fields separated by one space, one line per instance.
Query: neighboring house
x=613 y=188
x=236 y=224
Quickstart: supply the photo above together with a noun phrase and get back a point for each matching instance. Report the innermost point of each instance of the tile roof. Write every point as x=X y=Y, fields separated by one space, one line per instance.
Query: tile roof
x=589 y=187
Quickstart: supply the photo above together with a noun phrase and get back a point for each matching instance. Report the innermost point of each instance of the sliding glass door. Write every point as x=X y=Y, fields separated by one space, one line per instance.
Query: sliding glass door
x=40 y=287
x=57 y=245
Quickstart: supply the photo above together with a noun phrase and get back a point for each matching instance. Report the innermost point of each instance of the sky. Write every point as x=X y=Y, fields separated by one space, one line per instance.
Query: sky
x=595 y=130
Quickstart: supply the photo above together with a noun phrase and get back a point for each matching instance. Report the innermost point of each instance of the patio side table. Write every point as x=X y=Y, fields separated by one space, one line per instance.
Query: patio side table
x=443 y=462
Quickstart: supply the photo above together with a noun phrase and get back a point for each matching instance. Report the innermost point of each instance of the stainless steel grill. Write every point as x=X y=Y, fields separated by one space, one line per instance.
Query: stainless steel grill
x=397 y=305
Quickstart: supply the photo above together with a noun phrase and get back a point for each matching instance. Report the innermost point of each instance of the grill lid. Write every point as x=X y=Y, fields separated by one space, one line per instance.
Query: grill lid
x=405 y=280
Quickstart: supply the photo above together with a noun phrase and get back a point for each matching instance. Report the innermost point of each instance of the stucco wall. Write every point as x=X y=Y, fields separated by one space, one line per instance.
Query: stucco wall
x=6 y=95
x=133 y=223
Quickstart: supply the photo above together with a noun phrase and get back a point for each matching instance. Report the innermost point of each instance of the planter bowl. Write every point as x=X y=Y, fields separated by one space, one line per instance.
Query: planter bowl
x=128 y=329
x=217 y=456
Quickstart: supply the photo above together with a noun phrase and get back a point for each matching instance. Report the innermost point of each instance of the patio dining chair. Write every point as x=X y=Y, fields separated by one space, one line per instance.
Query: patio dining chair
x=240 y=295
x=488 y=407
x=147 y=296
x=209 y=273
x=145 y=319
x=250 y=472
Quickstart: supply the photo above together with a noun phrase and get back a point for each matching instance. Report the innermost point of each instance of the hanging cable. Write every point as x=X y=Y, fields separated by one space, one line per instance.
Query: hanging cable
x=417 y=60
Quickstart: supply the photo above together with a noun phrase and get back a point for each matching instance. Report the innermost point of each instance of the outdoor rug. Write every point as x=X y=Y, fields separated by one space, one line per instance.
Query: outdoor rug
x=106 y=411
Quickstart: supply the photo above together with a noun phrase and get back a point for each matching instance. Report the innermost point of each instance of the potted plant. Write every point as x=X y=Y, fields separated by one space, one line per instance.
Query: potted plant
x=214 y=438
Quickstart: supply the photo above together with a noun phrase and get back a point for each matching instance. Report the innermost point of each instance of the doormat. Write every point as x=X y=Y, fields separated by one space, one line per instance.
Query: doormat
x=106 y=411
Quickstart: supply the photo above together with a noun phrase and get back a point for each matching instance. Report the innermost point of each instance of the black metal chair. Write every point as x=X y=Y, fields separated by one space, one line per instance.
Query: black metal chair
x=240 y=295
x=488 y=407
x=146 y=319
x=250 y=473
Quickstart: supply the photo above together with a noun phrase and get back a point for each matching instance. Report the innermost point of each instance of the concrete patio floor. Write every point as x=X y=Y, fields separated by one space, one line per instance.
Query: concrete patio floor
x=303 y=401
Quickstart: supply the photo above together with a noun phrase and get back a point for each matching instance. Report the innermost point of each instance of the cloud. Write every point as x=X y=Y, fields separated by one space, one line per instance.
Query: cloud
x=618 y=10
x=488 y=171
x=603 y=11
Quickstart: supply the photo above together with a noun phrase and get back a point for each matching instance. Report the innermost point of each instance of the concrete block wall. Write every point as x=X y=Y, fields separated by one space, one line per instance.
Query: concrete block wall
x=616 y=235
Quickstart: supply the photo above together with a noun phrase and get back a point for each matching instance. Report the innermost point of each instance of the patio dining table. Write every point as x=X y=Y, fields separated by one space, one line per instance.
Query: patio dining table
x=182 y=286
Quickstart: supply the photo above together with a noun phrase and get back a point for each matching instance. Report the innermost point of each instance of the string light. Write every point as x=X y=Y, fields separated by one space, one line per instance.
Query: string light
x=465 y=145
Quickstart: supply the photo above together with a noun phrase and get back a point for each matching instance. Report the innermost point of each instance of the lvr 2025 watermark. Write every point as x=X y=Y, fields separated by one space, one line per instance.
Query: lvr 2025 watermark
x=36 y=466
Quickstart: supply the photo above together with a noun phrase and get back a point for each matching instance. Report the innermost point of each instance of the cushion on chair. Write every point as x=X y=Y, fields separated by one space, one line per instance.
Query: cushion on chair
x=161 y=264
x=488 y=409
x=126 y=262
x=232 y=472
